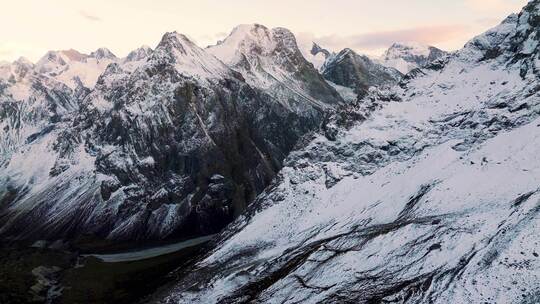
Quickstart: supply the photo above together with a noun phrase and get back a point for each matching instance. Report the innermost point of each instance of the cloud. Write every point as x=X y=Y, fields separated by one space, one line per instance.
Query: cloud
x=382 y=39
x=89 y=16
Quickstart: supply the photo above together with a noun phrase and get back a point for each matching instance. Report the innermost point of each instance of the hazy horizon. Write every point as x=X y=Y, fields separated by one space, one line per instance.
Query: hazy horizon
x=30 y=28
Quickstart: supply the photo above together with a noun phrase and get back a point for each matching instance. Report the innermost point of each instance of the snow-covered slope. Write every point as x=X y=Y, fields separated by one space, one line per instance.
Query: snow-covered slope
x=406 y=57
x=431 y=195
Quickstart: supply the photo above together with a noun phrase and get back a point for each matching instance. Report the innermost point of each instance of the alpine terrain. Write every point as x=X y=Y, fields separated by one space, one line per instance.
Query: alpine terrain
x=431 y=194
x=251 y=171
x=165 y=142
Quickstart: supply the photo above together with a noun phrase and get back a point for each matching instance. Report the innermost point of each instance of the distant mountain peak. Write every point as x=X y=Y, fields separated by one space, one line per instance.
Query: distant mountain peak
x=188 y=58
x=23 y=61
x=406 y=56
x=317 y=49
x=358 y=72
x=174 y=44
x=243 y=39
x=252 y=28
x=271 y=59
x=21 y=67
x=139 y=53
x=74 y=55
x=175 y=40
x=254 y=40
x=103 y=53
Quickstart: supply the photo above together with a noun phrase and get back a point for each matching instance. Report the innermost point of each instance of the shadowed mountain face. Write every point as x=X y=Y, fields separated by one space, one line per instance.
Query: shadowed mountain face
x=358 y=72
x=428 y=195
x=168 y=142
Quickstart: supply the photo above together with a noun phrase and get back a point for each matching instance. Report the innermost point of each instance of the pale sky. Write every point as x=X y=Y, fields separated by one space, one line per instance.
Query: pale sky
x=29 y=28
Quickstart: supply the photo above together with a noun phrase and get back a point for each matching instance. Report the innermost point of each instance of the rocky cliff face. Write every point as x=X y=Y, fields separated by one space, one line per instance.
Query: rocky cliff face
x=430 y=195
x=167 y=142
x=358 y=72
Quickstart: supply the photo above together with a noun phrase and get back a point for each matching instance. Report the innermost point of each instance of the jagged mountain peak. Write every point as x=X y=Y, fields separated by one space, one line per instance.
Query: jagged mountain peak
x=411 y=47
x=253 y=30
x=271 y=60
x=317 y=49
x=188 y=58
x=16 y=70
x=61 y=57
x=175 y=40
x=243 y=39
x=103 y=53
x=74 y=68
x=139 y=53
x=74 y=55
x=358 y=72
x=253 y=40
x=22 y=66
x=23 y=61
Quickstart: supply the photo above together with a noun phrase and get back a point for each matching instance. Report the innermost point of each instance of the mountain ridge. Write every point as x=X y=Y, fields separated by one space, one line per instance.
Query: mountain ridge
x=176 y=144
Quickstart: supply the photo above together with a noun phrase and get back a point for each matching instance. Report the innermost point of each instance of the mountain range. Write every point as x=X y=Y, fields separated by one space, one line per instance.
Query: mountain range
x=174 y=141
x=330 y=177
x=426 y=192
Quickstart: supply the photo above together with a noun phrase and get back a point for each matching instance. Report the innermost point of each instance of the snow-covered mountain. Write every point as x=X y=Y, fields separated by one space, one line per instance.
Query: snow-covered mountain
x=269 y=59
x=166 y=142
x=29 y=102
x=406 y=57
x=73 y=68
x=424 y=193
